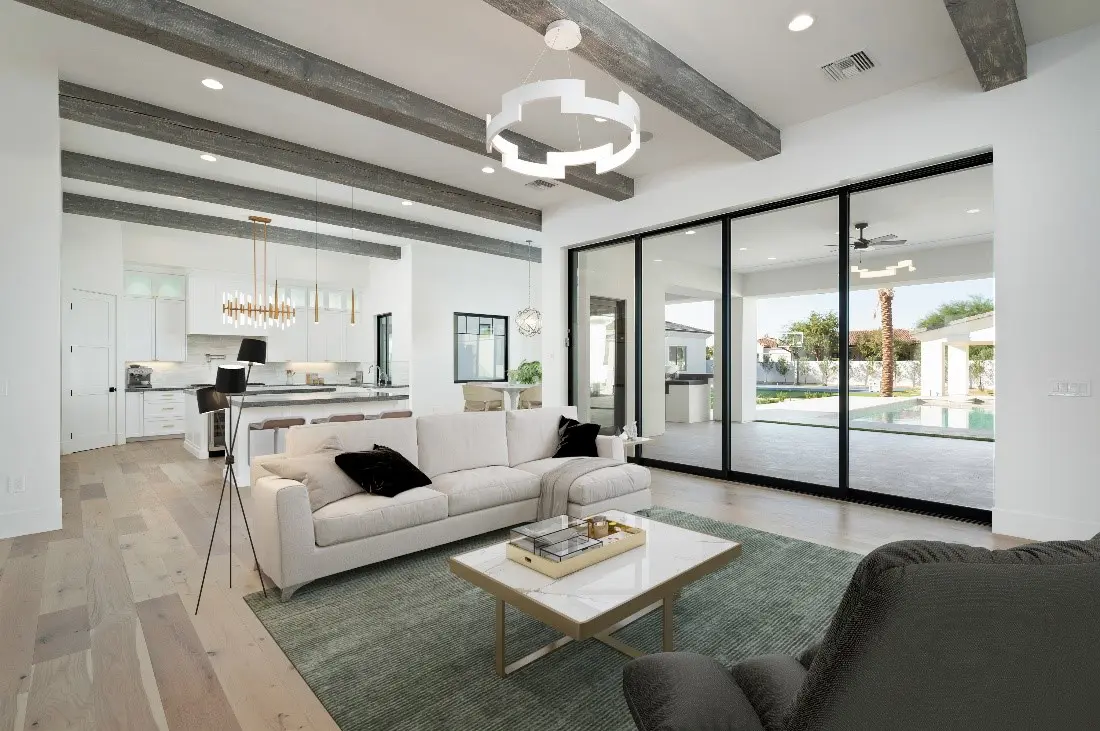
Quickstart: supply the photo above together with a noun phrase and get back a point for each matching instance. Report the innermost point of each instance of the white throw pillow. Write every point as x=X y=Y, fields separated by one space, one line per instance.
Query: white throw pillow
x=325 y=482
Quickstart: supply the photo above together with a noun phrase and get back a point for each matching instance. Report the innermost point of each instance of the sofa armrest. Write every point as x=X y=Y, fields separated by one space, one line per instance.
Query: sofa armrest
x=258 y=466
x=683 y=691
x=282 y=529
x=771 y=683
x=611 y=447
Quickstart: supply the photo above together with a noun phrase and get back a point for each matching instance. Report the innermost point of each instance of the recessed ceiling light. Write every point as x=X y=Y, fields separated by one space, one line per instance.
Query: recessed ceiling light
x=658 y=260
x=974 y=210
x=406 y=203
x=690 y=232
x=601 y=120
x=488 y=169
x=213 y=84
x=801 y=22
x=771 y=258
x=743 y=248
x=208 y=158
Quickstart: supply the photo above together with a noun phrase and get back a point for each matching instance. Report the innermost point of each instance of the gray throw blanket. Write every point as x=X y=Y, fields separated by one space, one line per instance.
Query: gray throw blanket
x=554 y=496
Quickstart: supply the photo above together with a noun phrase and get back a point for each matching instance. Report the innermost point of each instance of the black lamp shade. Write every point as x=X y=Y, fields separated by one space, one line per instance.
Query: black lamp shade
x=210 y=400
x=253 y=350
x=231 y=379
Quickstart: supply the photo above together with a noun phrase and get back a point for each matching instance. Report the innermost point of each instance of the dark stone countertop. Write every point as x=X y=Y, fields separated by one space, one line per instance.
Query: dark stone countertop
x=158 y=388
x=320 y=399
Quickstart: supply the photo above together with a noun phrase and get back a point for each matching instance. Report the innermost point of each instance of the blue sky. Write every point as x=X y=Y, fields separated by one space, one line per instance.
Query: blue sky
x=774 y=315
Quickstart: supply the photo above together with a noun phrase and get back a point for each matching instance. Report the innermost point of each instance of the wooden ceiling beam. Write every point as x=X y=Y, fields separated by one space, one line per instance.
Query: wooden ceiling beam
x=993 y=37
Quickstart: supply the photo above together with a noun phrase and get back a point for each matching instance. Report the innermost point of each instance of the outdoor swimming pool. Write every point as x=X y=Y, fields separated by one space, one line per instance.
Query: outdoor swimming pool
x=972 y=418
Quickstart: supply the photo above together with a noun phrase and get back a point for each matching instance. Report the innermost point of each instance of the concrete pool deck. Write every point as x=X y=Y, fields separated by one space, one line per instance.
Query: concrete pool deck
x=951 y=471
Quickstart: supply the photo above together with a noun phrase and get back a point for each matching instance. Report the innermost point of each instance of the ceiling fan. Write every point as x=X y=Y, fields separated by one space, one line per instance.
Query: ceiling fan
x=862 y=243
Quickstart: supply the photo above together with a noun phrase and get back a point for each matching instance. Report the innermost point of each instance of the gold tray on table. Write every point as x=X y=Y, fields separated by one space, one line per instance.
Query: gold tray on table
x=560 y=546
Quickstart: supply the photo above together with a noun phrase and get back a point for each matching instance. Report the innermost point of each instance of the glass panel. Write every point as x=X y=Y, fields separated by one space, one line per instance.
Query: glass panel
x=681 y=314
x=480 y=355
x=171 y=286
x=602 y=334
x=785 y=331
x=923 y=339
x=138 y=284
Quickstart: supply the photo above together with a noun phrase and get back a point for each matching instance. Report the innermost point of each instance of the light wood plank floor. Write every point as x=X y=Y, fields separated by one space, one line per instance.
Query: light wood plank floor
x=97 y=623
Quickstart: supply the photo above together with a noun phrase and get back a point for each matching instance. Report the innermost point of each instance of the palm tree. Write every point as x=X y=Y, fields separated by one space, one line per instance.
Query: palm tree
x=886 y=309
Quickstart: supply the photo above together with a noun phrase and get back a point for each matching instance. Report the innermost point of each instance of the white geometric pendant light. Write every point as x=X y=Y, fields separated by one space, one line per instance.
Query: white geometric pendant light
x=563 y=35
x=529 y=320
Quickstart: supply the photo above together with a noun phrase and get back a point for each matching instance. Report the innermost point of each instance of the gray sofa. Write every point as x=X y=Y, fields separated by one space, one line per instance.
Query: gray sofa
x=928 y=636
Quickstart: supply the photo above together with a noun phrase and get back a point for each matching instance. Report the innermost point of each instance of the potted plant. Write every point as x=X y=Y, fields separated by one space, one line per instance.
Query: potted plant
x=529 y=372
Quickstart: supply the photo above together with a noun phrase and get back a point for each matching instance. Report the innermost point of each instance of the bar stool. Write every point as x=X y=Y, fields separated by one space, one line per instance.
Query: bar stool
x=395 y=415
x=339 y=417
x=272 y=445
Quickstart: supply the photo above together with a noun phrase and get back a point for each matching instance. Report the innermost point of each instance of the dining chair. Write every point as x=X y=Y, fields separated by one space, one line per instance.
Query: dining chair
x=531 y=398
x=480 y=398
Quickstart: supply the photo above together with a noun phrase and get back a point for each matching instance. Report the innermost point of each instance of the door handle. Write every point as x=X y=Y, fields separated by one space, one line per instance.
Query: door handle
x=112 y=389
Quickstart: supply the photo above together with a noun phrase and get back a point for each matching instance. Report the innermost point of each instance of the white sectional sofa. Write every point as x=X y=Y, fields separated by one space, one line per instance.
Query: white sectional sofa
x=485 y=468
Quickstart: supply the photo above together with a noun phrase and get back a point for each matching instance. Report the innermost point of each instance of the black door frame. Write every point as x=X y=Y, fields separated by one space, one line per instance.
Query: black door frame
x=842 y=194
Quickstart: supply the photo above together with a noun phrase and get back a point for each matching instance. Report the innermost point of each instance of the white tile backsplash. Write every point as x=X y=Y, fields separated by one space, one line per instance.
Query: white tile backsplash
x=198 y=369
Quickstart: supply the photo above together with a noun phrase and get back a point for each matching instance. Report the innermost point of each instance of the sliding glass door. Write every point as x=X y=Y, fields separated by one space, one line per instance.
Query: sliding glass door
x=785 y=331
x=840 y=343
x=923 y=340
x=602 y=336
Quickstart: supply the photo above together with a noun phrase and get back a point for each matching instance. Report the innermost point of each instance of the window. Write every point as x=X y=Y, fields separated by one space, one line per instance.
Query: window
x=384 y=347
x=678 y=354
x=481 y=347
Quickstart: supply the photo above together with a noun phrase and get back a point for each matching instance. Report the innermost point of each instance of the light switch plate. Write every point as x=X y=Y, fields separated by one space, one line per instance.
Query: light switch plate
x=18 y=484
x=1071 y=388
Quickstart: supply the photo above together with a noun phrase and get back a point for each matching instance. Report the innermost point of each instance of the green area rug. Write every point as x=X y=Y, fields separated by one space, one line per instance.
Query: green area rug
x=406 y=645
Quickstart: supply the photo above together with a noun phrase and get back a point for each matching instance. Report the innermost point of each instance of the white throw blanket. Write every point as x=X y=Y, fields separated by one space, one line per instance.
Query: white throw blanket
x=554 y=495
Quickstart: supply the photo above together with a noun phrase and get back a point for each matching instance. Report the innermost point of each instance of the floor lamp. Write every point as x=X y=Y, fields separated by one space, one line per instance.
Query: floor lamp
x=232 y=380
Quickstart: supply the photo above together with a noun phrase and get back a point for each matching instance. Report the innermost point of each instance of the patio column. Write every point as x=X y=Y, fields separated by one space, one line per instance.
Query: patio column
x=743 y=361
x=931 y=368
x=958 y=370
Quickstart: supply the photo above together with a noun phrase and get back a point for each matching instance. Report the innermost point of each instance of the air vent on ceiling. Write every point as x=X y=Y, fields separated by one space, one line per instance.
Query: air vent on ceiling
x=539 y=184
x=849 y=66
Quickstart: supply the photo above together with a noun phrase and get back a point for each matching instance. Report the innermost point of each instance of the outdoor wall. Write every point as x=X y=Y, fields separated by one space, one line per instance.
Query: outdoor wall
x=1043 y=134
x=30 y=274
x=695 y=348
x=446 y=280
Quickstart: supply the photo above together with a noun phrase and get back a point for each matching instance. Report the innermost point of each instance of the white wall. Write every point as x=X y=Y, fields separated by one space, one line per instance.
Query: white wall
x=695 y=348
x=447 y=280
x=30 y=277
x=1043 y=132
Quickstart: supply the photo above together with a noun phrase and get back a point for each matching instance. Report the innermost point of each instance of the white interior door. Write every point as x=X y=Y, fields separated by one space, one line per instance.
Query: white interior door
x=89 y=399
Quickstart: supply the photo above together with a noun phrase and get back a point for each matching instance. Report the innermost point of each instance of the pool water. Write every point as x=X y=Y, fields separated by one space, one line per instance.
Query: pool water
x=972 y=418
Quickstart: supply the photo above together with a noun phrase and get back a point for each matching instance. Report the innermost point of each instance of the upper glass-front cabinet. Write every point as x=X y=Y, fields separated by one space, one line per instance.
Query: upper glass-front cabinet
x=154 y=284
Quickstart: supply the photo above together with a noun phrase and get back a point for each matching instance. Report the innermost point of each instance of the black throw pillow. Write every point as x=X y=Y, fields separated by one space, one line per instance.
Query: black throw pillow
x=576 y=439
x=382 y=471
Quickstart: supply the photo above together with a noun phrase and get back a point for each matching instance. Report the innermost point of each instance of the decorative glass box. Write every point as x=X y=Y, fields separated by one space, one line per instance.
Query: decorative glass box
x=559 y=546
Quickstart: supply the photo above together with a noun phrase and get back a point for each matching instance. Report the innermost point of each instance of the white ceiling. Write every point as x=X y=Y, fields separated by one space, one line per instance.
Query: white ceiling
x=465 y=53
x=927 y=213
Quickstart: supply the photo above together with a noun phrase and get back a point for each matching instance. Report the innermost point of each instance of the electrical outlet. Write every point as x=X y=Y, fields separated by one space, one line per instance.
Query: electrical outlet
x=1071 y=388
x=3 y=387
x=18 y=484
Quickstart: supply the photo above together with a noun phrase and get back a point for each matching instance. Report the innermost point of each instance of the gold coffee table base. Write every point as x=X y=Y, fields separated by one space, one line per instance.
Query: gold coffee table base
x=505 y=668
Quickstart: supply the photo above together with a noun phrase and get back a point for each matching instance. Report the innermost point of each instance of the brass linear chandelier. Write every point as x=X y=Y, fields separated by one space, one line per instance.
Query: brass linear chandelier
x=258 y=309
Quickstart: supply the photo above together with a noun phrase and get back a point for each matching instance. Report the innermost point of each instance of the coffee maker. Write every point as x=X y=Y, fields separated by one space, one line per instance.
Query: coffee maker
x=138 y=376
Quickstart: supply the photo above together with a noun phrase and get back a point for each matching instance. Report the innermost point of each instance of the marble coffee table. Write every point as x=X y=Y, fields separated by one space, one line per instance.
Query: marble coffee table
x=596 y=601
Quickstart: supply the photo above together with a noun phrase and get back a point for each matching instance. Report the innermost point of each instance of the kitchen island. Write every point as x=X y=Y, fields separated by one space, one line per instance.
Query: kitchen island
x=308 y=406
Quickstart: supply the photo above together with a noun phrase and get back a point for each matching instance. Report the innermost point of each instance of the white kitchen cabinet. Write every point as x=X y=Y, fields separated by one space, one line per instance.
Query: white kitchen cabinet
x=155 y=414
x=360 y=341
x=327 y=339
x=289 y=344
x=138 y=320
x=170 y=336
x=135 y=414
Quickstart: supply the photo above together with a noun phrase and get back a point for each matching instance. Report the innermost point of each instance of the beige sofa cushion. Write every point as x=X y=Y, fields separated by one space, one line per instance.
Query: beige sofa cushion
x=356 y=436
x=533 y=433
x=454 y=442
x=325 y=482
x=365 y=515
x=605 y=484
x=485 y=487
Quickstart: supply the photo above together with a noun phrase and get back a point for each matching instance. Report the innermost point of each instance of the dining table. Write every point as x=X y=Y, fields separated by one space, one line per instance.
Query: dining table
x=512 y=390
